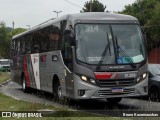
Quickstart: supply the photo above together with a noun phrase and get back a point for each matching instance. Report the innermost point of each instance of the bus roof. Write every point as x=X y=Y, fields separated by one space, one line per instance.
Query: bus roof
x=4 y=59
x=99 y=16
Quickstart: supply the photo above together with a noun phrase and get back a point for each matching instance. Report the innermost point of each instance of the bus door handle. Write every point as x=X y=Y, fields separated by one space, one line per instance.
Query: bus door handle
x=54 y=58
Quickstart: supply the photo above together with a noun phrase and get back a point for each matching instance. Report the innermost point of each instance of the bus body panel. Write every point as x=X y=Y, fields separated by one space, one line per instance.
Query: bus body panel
x=51 y=64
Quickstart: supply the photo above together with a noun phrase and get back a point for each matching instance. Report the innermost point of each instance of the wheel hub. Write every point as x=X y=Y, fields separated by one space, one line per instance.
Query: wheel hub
x=60 y=92
x=24 y=85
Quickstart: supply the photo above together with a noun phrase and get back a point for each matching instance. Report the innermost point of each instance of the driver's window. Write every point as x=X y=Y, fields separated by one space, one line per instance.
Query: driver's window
x=67 y=53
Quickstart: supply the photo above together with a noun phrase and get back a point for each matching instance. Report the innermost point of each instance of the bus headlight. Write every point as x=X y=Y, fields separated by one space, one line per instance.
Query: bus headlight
x=142 y=77
x=86 y=79
x=93 y=81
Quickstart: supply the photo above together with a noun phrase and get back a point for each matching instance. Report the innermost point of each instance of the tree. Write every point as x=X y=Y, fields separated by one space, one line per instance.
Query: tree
x=154 y=23
x=147 y=12
x=95 y=6
x=16 y=32
x=6 y=37
x=3 y=39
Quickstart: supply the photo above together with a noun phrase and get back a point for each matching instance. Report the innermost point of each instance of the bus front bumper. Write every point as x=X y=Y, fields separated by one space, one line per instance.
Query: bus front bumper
x=85 y=90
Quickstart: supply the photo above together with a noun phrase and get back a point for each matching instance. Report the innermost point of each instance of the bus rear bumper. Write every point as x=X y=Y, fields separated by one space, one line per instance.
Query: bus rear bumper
x=85 y=90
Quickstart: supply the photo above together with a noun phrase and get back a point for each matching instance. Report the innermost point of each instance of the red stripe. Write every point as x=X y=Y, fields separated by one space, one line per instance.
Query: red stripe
x=103 y=75
x=26 y=72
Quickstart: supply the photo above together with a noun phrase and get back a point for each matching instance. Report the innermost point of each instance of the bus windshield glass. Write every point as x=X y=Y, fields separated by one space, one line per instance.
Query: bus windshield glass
x=92 y=39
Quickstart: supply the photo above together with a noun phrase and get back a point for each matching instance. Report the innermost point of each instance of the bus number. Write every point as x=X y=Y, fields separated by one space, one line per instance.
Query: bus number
x=43 y=58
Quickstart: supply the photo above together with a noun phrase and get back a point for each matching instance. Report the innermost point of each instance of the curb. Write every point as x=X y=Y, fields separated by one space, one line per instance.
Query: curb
x=4 y=83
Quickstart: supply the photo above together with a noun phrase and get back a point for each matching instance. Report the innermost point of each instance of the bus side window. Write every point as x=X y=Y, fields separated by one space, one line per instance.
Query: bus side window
x=36 y=46
x=43 y=43
x=28 y=44
x=54 y=38
x=23 y=46
x=43 y=40
x=16 y=47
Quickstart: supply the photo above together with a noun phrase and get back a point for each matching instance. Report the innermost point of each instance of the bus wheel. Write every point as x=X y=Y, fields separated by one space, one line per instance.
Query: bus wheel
x=114 y=100
x=57 y=91
x=24 y=87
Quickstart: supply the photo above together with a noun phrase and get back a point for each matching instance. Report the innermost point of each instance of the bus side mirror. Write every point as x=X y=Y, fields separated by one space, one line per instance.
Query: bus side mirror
x=67 y=32
x=68 y=40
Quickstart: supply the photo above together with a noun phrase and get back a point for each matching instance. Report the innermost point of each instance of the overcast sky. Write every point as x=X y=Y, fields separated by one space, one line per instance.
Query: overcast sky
x=33 y=12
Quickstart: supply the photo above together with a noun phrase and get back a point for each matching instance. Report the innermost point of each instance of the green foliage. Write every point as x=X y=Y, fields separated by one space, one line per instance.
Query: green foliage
x=96 y=6
x=154 y=21
x=4 y=44
x=148 y=13
x=6 y=37
x=16 y=32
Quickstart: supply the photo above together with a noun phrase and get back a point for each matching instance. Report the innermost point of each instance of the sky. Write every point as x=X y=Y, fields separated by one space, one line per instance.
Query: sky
x=34 y=12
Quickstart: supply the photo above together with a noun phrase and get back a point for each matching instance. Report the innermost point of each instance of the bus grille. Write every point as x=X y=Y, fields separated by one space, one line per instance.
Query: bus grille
x=116 y=83
x=109 y=92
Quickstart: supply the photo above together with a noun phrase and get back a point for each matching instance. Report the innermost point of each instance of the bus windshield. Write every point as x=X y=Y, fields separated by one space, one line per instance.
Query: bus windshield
x=91 y=41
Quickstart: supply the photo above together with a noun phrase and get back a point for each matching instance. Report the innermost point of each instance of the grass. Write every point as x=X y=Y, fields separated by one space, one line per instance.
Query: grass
x=9 y=104
x=4 y=76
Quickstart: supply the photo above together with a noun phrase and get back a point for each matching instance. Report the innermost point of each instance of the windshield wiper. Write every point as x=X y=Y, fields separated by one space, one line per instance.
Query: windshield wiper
x=104 y=53
x=118 y=48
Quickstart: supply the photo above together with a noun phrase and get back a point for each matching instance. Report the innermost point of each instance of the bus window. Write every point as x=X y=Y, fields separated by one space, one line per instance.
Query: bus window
x=36 y=47
x=43 y=41
x=36 y=43
x=23 y=46
x=54 y=37
x=16 y=47
x=67 y=52
x=28 y=44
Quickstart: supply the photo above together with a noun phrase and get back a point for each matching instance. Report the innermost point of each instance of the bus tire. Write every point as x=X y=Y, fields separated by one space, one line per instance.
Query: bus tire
x=24 y=87
x=113 y=100
x=57 y=92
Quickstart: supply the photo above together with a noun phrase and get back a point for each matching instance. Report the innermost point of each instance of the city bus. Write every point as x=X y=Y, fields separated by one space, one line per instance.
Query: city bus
x=5 y=65
x=83 y=56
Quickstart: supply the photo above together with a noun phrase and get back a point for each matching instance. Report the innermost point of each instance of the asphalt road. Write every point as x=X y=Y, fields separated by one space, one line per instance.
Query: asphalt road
x=14 y=90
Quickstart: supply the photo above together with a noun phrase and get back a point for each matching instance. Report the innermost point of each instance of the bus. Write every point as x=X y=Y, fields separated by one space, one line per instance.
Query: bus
x=5 y=65
x=83 y=56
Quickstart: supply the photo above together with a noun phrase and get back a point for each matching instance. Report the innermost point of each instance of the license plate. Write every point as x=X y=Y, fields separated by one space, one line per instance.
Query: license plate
x=117 y=90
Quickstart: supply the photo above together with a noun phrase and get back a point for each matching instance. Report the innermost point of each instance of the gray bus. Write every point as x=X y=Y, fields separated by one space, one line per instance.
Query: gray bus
x=83 y=56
